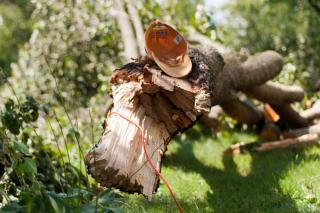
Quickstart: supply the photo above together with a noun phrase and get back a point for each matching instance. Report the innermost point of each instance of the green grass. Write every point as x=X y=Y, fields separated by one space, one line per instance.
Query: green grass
x=205 y=180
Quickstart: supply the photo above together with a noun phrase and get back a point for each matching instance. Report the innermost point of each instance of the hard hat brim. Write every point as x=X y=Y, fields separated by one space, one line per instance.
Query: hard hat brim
x=178 y=71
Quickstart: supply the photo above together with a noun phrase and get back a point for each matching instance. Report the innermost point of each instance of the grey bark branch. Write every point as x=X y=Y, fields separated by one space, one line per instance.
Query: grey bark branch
x=139 y=32
x=312 y=113
x=275 y=93
x=242 y=111
x=127 y=34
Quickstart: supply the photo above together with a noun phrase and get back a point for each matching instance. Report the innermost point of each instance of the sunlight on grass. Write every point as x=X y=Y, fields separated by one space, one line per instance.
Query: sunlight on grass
x=205 y=180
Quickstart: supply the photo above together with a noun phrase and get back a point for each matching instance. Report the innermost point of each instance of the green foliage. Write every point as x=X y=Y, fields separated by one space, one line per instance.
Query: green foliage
x=72 y=44
x=14 y=116
x=290 y=27
x=15 y=29
x=32 y=172
x=36 y=199
x=187 y=16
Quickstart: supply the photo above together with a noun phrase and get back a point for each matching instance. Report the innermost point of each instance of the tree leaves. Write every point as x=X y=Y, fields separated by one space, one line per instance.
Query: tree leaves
x=11 y=121
x=57 y=203
x=15 y=115
x=21 y=147
x=29 y=110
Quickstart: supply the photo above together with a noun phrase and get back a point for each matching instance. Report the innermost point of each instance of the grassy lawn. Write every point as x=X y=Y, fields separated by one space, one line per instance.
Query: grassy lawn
x=206 y=181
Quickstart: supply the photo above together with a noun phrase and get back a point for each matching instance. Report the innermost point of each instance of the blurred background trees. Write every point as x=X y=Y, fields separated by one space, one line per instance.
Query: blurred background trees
x=289 y=27
x=15 y=29
x=62 y=52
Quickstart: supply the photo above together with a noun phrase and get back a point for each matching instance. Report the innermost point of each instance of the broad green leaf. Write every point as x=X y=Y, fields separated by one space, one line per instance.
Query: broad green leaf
x=11 y=207
x=87 y=208
x=11 y=121
x=106 y=197
x=30 y=167
x=57 y=203
x=112 y=210
x=78 y=193
x=21 y=147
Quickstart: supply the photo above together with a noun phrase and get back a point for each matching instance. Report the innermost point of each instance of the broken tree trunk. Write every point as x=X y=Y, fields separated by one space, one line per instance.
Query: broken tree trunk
x=163 y=106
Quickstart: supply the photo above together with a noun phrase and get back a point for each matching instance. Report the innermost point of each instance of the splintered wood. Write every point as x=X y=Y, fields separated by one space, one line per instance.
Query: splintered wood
x=162 y=106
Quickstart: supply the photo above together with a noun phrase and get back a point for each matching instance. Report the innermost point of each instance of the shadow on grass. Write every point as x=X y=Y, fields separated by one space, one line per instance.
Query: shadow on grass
x=258 y=191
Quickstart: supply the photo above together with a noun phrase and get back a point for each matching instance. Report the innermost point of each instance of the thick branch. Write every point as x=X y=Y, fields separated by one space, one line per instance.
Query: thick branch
x=242 y=111
x=290 y=115
x=275 y=93
x=240 y=73
x=312 y=113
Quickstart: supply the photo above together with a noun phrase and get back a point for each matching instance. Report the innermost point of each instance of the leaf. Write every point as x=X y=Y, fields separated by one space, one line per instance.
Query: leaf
x=112 y=210
x=9 y=105
x=73 y=134
x=29 y=110
x=11 y=207
x=56 y=202
x=46 y=108
x=30 y=167
x=11 y=121
x=106 y=197
x=78 y=193
x=87 y=208
x=21 y=147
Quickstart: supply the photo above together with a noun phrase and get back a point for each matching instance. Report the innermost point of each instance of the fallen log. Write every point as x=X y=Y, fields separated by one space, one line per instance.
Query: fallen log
x=301 y=141
x=163 y=106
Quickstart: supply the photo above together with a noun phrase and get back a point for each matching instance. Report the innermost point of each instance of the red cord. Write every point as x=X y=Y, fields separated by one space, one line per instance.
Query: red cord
x=149 y=160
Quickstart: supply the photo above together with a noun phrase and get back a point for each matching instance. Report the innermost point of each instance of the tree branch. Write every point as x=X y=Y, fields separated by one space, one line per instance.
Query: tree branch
x=134 y=16
x=127 y=34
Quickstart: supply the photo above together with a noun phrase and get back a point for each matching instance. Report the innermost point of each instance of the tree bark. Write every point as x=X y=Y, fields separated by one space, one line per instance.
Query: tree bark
x=138 y=28
x=275 y=93
x=127 y=33
x=290 y=116
x=312 y=113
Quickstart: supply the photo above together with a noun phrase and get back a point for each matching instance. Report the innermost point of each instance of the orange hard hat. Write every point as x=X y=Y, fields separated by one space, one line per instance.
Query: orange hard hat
x=168 y=49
